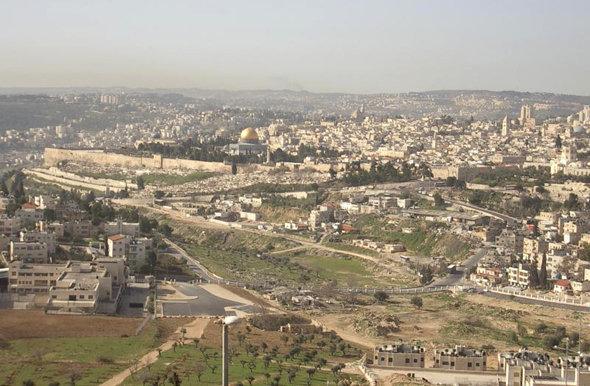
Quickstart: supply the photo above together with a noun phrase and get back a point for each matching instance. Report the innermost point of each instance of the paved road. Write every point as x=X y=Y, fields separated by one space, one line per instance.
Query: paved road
x=203 y=303
x=193 y=264
x=508 y=219
x=457 y=278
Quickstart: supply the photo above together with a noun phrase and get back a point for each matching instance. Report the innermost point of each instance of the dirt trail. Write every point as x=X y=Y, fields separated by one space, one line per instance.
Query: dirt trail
x=193 y=330
x=332 y=323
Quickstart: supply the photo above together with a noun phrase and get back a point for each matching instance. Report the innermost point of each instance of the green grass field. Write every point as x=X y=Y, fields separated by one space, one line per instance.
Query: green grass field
x=44 y=360
x=187 y=361
x=281 y=354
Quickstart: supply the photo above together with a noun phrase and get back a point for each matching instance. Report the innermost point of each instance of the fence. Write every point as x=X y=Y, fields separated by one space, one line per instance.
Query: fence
x=145 y=321
x=367 y=372
x=17 y=301
x=544 y=298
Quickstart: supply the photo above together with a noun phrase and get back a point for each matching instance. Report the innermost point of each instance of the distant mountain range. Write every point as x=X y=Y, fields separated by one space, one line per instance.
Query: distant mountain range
x=481 y=104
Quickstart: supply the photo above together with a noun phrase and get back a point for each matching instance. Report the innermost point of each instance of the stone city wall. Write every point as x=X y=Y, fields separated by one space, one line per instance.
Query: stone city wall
x=53 y=156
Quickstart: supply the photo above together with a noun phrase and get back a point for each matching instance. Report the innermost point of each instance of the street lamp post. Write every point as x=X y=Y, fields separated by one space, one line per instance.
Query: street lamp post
x=225 y=346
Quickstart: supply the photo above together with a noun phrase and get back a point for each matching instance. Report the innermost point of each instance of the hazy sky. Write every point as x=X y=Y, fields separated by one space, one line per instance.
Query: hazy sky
x=323 y=46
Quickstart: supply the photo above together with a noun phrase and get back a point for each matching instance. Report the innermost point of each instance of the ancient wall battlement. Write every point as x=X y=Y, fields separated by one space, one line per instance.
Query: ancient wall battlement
x=53 y=156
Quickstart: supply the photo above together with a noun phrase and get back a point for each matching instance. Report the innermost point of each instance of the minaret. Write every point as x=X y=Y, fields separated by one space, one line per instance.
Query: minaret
x=268 y=154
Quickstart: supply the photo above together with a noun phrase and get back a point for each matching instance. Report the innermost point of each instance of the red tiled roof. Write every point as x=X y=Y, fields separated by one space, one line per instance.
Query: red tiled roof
x=563 y=283
x=116 y=237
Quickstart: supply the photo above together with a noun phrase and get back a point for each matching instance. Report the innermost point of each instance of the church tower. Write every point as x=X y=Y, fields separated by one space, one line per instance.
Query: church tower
x=505 y=127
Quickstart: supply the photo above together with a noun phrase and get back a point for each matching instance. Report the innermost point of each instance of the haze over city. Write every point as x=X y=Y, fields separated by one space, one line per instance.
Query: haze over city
x=294 y=193
x=319 y=46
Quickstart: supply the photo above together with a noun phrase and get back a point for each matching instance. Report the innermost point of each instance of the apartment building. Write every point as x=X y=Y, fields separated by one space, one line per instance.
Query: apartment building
x=123 y=228
x=554 y=260
x=4 y=243
x=27 y=278
x=460 y=358
x=5 y=201
x=79 y=228
x=29 y=215
x=46 y=202
x=519 y=275
x=55 y=227
x=399 y=355
x=28 y=252
x=524 y=368
x=134 y=250
x=81 y=286
x=532 y=247
x=319 y=217
x=381 y=202
x=510 y=240
x=9 y=226
x=39 y=237
x=573 y=230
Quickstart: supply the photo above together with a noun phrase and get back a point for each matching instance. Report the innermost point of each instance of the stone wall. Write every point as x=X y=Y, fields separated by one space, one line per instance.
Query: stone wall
x=54 y=156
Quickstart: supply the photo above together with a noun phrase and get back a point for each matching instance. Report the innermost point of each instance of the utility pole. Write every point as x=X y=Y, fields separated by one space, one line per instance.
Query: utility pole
x=567 y=351
x=225 y=348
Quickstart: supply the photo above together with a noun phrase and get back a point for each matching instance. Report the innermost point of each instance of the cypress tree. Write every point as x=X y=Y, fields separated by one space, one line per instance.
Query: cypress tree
x=534 y=275
x=543 y=274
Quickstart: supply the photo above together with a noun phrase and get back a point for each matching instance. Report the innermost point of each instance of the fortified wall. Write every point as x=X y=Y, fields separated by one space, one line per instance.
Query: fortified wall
x=53 y=156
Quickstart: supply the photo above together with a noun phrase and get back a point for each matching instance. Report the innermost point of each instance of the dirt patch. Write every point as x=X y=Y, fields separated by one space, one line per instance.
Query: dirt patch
x=20 y=324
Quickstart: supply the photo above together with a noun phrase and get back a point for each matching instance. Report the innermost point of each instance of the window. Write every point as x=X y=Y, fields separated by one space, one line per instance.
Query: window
x=407 y=360
x=469 y=364
x=390 y=360
x=415 y=360
x=81 y=296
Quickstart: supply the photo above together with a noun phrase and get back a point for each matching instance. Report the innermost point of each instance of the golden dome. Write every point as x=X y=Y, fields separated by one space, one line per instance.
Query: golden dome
x=249 y=134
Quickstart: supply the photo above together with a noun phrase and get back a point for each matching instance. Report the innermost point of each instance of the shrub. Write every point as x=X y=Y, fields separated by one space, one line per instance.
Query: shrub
x=550 y=341
x=105 y=360
x=475 y=321
x=381 y=296
x=541 y=328
x=4 y=344
x=416 y=301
